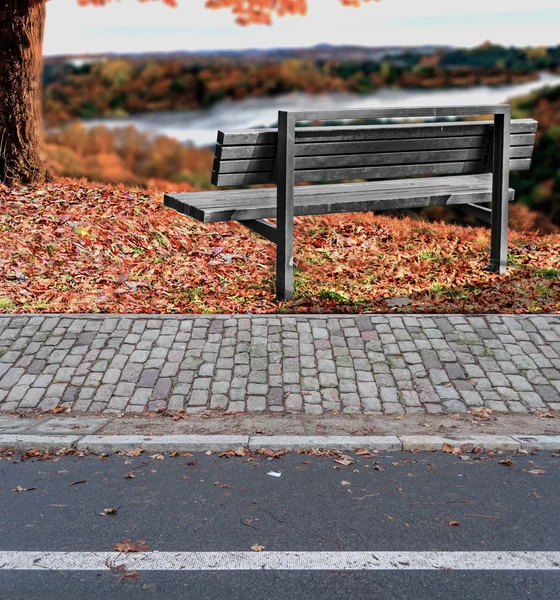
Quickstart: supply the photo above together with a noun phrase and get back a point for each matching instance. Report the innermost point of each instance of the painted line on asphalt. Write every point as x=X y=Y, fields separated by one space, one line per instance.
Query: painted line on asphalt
x=280 y=561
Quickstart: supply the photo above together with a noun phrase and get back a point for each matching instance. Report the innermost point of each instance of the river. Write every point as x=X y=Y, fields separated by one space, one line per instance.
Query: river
x=200 y=127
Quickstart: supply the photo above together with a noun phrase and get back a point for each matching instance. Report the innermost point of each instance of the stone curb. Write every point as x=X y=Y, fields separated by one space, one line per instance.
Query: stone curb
x=217 y=443
x=335 y=442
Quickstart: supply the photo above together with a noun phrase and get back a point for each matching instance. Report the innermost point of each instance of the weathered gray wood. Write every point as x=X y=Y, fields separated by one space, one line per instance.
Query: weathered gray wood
x=247 y=152
x=480 y=212
x=319 y=199
x=500 y=186
x=385 y=172
x=336 y=114
x=264 y=228
x=450 y=181
x=339 y=161
x=372 y=132
x=285 y=206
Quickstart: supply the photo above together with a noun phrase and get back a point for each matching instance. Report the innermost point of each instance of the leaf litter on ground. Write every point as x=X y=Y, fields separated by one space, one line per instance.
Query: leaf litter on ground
x=71 y=246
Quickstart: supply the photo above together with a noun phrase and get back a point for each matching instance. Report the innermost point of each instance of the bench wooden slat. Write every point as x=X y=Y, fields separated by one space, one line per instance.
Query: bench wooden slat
x=365 y=196
x=385 y=172
x=316 y=149
x=358 y=160
x=372 y=132
x=251 y=201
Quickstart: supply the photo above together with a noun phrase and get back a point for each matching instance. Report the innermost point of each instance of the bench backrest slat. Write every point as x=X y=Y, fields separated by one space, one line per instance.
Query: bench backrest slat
x=369 y=152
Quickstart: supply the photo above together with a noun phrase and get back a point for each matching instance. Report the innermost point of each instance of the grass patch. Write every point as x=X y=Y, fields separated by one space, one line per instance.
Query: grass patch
x=552 y=273
x=6 y=303
x=340 y=297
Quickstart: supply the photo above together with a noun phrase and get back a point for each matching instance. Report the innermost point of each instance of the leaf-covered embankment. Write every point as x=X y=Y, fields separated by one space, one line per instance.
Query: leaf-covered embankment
x=74 y=246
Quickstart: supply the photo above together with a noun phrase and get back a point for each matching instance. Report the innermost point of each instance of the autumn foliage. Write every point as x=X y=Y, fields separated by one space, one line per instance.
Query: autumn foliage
x=247 y=12
x=74 y=246
x=124 y=155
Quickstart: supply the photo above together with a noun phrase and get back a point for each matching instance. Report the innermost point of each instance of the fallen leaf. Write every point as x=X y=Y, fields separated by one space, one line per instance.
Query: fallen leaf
x=108 y=511
x=257 y=548
x=343 y=482
x=399 y=489
x=77 y=482
x=129 y=576
x=113 y=567
x=208 y=452
x=130 y=475
x=129 y=546
x=507 y=462
x=344 y=460
x=157 y=456
x=454 y=523
x=22 y=489
x=134 y=452
x=536 y=472
x=361 y=451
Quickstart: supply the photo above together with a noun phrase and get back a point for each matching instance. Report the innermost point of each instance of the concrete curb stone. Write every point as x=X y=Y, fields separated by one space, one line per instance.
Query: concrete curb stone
x=436 y=442
x=40 y=442
x=218 y=443
x=338 y=442
x=162 y=443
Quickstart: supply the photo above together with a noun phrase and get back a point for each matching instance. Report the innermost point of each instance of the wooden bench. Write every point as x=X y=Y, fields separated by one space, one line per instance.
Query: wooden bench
x=463 y=163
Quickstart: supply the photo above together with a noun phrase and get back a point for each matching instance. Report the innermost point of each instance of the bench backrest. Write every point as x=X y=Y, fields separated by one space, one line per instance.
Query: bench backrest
x=369 y=151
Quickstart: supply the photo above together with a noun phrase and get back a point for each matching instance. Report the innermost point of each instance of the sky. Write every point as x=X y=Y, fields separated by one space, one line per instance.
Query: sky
x=130 y=26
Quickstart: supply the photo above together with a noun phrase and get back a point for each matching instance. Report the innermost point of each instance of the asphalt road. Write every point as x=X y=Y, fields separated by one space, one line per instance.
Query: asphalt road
x=204 y=503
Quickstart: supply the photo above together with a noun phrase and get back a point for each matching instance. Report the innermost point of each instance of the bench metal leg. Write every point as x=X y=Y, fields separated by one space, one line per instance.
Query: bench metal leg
x=500 y=191
x=285 y=206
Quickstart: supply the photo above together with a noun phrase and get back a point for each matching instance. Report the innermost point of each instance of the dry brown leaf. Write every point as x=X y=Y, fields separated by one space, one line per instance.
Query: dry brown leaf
x=129 y=546
x=134 y=452
x=130 y=475
x=157 y=456
x=114 y=567
x=257 y=548
x=129 y=576
x=344 y=460
x=454 y=523
x=361 y=451
x=536 y=472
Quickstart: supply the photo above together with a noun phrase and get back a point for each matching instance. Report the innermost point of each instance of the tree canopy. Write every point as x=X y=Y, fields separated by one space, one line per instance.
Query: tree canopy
x=247 y=12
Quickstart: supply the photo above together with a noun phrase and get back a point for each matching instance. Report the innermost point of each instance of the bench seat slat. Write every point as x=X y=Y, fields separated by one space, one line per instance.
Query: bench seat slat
x=318 y=199
x=246 y=152
x=372 y=132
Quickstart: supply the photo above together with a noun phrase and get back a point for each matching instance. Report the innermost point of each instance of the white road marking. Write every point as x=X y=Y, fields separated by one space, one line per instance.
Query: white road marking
x=280 y=561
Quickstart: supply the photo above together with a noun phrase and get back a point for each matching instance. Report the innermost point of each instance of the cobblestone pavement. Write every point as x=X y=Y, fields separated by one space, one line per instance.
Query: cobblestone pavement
x=366 y=363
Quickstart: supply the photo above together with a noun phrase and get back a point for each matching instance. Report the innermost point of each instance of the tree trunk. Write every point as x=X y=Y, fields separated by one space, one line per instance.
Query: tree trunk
x=22 y=149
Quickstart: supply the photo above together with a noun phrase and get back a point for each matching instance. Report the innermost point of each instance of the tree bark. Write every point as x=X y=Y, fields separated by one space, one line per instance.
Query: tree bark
x=22 y=149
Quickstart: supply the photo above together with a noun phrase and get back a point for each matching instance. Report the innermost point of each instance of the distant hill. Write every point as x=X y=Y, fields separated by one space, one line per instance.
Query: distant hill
x=273 y=55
